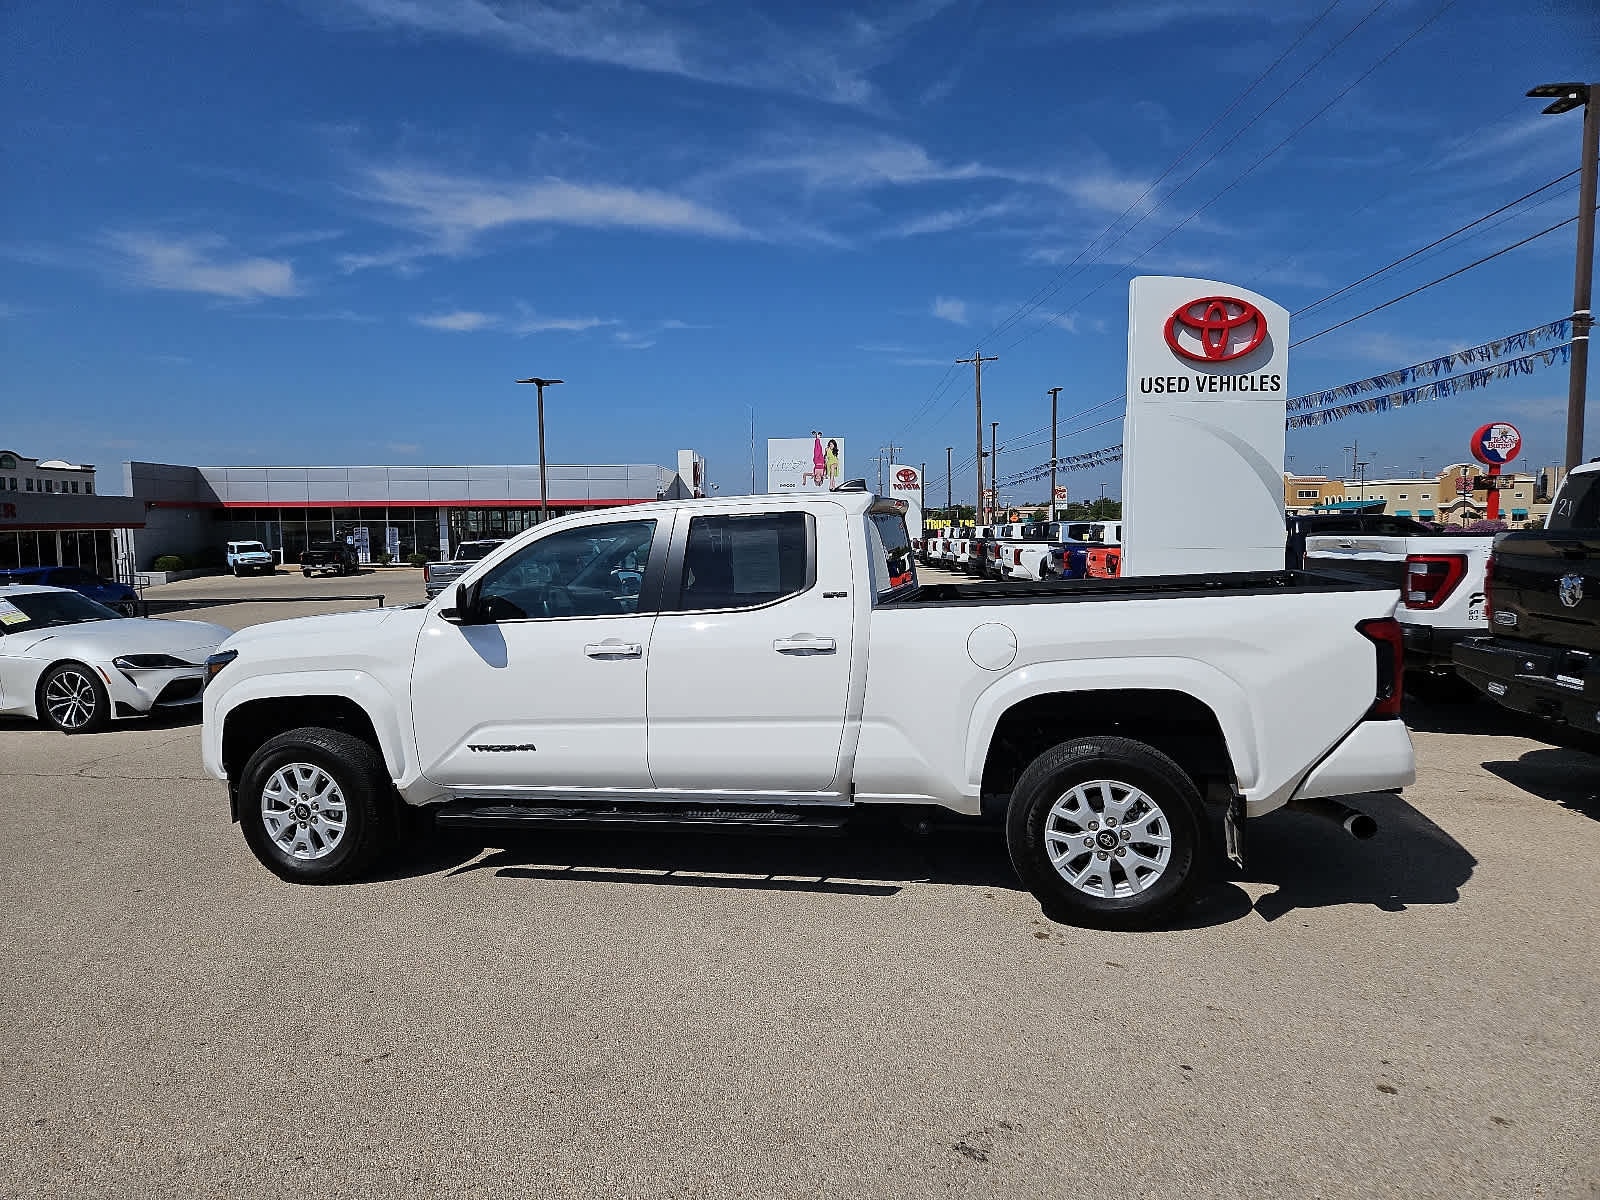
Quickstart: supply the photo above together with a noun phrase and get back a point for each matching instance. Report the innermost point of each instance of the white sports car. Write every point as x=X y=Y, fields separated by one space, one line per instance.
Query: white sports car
x=75 y=664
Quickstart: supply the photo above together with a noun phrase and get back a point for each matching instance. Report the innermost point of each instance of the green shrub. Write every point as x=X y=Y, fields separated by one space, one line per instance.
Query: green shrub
x=416 y=560
x=385 y=559
x=168 y=562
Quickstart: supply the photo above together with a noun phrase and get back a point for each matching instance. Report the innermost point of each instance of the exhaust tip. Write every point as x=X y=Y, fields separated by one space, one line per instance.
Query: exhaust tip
x=1360 y=826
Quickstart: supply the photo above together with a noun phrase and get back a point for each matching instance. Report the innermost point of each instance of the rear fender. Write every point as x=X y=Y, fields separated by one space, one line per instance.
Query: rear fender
x=1205 y=683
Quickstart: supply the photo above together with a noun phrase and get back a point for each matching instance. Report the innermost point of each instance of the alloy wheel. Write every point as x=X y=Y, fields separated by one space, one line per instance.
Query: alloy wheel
x=70 y=699
x=304 y=811
x=1108 y=839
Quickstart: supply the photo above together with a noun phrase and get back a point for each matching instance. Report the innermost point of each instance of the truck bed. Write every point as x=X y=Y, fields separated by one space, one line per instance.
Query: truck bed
x=1135 y=588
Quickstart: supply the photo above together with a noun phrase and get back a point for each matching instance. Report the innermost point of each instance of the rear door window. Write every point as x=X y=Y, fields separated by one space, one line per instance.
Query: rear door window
x=745 y=561
x=1578 y=505
x=893 y=565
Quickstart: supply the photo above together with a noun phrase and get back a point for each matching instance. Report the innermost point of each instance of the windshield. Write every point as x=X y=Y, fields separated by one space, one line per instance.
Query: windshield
x=1086 y=533
x=37 y=610
x=324 y=547
x=249 y=548
x=472 y=551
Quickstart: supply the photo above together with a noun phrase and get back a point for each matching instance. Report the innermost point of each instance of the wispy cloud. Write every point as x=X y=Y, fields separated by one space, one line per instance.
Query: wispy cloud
x=460 y=321
x=948 y=308
x=1125 y=19
x=452 y=211
x=736 y=47
x=8 y=311
x=402 y=447
x=198 y=263
x=522 y=323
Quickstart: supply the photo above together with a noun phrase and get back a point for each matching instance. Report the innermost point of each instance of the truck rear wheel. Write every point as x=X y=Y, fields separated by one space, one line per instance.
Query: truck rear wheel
x=315 y=805
x=1107 y=831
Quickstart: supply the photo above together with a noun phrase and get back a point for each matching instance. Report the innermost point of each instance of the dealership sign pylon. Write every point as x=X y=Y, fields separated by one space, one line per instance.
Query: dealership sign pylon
x=1203 y=439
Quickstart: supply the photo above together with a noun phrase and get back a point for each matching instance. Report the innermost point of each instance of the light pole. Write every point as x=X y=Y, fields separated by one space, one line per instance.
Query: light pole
x=948 y=511
x=994 y=471
x=1564 y=97
x=544 y=488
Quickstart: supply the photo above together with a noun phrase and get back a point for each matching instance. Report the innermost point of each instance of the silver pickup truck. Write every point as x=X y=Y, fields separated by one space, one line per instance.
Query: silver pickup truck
x=436 y=576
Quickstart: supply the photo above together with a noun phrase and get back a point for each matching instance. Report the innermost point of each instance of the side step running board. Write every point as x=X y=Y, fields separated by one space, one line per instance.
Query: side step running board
x=478 y=814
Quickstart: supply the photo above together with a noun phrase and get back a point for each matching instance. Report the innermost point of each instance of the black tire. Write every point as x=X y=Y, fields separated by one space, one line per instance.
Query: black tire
x=76 y=680
x=306 y=571
x=1051 y=777
x=359 y=775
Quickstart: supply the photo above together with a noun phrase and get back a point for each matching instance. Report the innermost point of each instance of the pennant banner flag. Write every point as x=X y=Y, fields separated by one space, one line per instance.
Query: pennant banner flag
x=1449 y=386
x=1437 y=367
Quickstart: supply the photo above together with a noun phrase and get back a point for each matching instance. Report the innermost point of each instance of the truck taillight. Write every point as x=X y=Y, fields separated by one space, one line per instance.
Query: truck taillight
x=1430 y=578
x=426 y=575
x=1385 y=635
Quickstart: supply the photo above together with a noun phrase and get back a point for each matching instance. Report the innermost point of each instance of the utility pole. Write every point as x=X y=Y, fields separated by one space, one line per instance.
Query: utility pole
x=922 y=494
x=977 y=360
x=994 y=470
x=949 y=508
x=1055 y=393
x=882 y=450
x=1566 y=97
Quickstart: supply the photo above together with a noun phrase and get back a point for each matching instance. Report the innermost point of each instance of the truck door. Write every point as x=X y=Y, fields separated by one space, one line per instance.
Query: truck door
x=551 y=691
x=750 y=658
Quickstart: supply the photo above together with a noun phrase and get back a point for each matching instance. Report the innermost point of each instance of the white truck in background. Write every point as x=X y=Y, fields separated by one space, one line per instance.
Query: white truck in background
x=1442 y=578
x=773 y=661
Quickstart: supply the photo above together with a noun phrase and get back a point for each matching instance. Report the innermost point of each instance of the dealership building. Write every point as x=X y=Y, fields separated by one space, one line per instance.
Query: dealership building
x=192 y=511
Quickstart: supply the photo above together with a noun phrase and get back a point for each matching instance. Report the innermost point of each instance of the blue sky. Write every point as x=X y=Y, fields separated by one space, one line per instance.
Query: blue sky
x=252 y=231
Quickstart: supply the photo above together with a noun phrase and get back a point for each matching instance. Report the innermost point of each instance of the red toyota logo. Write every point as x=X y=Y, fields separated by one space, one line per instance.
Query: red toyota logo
x=1219 y=322
x=906 y=476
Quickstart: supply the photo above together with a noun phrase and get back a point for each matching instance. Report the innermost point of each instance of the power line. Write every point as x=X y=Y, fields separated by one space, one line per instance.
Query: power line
x=1248 y=171
x=1050 y=288
x=1434 y=282
x=1349 y=287
x=1350 y=320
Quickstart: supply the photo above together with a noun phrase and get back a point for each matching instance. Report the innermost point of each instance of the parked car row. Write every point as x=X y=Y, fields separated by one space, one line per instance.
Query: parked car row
x=1031 y=552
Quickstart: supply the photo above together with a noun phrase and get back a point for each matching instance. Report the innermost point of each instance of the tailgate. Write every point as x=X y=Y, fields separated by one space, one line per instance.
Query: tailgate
x=1547 y=588
x=1379 y=558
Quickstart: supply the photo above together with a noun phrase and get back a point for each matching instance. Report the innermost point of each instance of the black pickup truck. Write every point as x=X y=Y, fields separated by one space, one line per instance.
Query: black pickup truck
x=1543 y=598
x=333 y=558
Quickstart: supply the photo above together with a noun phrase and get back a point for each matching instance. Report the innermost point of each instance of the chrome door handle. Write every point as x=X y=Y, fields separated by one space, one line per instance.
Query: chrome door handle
x=805 y=644
x=613 y=649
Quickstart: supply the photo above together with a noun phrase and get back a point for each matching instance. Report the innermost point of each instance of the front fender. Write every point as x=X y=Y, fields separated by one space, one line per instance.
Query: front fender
x=1217 y=691
x=381 y=706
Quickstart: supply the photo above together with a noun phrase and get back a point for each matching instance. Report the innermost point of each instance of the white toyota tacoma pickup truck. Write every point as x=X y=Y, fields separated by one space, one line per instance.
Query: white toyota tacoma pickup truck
x=773 y=660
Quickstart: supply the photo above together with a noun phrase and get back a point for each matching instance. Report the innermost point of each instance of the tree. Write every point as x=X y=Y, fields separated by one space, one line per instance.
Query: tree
x=1094 y=510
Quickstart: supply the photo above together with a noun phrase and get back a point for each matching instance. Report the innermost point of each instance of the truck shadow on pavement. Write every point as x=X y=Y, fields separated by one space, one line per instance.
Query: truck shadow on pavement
x=865 y=859
x=1310 y=863
x=1567 y=775
x=1313 y=864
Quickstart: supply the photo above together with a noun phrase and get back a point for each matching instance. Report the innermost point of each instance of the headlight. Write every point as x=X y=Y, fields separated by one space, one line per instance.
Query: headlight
x=217 y=661
x=148 y=662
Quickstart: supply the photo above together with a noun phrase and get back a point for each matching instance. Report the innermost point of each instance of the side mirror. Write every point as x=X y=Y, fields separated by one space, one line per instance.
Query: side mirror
x=468 y=609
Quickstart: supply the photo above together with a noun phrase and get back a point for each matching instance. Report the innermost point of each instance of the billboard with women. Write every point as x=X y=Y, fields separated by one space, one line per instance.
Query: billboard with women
x=809 y=464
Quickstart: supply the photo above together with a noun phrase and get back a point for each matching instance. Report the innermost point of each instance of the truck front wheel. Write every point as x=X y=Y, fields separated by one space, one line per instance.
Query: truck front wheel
x=1107 y=831
x=315 y=806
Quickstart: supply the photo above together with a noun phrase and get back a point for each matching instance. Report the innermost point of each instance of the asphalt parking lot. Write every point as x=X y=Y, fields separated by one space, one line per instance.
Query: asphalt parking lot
x=877 y=1014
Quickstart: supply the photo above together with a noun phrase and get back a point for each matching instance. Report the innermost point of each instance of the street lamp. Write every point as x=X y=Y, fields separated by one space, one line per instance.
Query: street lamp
x=1564 y=97
x=544 y=489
